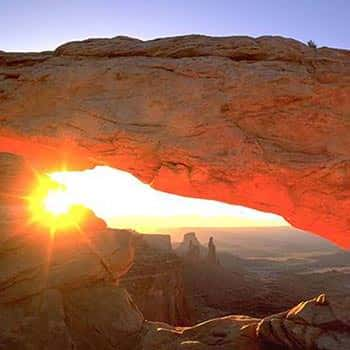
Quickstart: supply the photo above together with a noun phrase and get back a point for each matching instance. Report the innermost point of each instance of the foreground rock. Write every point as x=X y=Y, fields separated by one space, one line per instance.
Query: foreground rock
x=226 y=333
x=258 y=122
x=61 y=291
x=313 y=324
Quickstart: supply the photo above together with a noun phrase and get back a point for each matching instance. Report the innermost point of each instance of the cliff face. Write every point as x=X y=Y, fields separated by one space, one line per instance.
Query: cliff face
x=161 y=242
x=156 y=281
x=59 y=292
x=258 y=122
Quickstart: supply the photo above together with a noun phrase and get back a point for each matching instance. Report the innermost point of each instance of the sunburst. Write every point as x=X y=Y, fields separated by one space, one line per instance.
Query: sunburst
x=52 y=207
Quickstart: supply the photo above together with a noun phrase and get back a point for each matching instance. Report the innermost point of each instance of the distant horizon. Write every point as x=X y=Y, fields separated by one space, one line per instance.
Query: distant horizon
x=177 y=230
x=235 y=227
x=258 y=236
x=145 y=209
x=159 y=229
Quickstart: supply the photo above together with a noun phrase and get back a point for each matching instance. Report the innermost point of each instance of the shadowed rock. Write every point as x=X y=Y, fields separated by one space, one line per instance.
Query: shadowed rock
x=313 y=324
x=190 y=248
x=156 y=281
x=61 y=291
x=212 y=258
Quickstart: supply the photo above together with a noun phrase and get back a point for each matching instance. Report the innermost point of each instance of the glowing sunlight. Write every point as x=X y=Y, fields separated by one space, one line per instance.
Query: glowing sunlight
x=53 y=207
x=125 y=202
x=57 y=202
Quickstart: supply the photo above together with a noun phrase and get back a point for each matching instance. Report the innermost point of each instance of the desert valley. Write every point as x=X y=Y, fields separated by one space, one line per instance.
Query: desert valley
x=276 y=267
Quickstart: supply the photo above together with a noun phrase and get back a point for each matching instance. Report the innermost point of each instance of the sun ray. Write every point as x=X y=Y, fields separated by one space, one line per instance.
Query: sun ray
x=47 y=265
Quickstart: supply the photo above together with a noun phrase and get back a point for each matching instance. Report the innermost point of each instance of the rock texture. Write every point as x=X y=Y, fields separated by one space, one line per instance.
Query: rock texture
x=156 y=281
x=261 y=122
x=313 y=324
x=61 y=292
x=226 y=333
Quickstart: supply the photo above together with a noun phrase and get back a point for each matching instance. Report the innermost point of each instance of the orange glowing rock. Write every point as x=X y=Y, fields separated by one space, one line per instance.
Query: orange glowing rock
x=259 y=122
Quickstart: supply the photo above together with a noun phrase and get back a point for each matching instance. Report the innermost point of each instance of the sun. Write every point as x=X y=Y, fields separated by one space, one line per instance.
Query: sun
x=52 y=207
x=57 y=202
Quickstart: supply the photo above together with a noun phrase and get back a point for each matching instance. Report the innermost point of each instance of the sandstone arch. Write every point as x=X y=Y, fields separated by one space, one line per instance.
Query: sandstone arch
x=260 y=122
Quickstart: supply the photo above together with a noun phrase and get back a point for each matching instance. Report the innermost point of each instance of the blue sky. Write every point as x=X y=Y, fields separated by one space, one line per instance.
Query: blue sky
x=35 y=25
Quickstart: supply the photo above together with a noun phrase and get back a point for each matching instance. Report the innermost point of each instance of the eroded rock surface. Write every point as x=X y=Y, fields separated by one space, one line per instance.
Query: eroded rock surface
x=156 y=281
x=226 y=333
x=260 y=122
x=313 y=324
x=62 y=293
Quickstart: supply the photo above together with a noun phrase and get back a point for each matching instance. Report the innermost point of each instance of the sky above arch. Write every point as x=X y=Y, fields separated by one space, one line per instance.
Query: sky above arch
x=36 y=25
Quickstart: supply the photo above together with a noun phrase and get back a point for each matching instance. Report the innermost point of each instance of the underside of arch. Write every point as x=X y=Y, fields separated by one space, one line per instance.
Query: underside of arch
x=263 y=123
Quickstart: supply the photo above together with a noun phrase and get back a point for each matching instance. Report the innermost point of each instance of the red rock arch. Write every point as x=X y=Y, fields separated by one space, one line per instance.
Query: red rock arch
x=261 y=122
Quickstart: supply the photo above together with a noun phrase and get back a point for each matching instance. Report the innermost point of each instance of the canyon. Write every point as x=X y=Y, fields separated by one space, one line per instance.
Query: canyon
x=258 y=122
x=155 y=281
x=72 y=291
x=262 y=271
